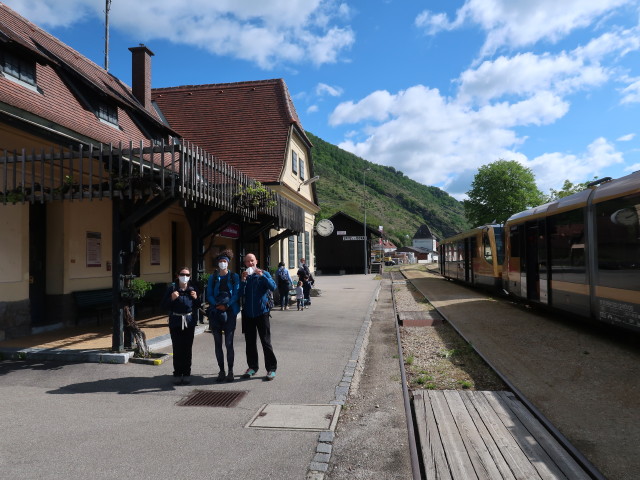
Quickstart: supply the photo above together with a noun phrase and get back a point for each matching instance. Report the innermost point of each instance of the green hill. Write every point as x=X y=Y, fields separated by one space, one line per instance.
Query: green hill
x=394 y=201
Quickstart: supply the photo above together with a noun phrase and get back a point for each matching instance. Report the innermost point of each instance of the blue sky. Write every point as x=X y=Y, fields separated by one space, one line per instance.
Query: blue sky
x=434 y=88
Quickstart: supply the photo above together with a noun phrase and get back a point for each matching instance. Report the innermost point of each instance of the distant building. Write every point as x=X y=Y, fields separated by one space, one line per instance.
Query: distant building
x=424 y=239
x=344 y=247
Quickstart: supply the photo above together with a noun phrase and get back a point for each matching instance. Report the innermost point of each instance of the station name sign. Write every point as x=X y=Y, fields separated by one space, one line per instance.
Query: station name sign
x=361 y=238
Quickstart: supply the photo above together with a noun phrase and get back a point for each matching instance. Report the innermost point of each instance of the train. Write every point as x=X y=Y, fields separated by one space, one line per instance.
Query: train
x=579 y=254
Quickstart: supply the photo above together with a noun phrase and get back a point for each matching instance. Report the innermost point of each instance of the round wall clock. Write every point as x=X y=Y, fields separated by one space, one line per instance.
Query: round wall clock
x=324 y=227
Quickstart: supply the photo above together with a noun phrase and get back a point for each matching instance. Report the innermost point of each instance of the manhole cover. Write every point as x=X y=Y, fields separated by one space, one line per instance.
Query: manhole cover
x=209 y=398
x=296 y=417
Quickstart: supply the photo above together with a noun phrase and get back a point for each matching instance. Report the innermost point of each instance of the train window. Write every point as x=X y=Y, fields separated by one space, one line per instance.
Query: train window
x=567 y=246
x=514 y=242
x=486 y=248
x=618 y=241
x=498 y=233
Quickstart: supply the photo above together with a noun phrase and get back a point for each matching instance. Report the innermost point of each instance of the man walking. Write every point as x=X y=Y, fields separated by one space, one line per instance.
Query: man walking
x=254 y=287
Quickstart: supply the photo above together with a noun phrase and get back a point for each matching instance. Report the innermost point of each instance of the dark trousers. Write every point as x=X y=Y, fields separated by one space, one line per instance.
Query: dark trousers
x=252 y=328
x=182 y=341
x=229 y=328
x=283 y=290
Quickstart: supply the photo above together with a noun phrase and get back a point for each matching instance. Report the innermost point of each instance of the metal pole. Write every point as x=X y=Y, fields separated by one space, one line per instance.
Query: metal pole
x=106 y=34
x=364 y=203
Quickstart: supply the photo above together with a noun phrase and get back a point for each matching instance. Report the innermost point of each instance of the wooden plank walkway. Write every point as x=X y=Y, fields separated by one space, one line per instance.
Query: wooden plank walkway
x=466 y=435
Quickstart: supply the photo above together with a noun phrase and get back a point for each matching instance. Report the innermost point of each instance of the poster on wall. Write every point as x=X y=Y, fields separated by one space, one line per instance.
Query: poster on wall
x=155 y=251
x=94 y=249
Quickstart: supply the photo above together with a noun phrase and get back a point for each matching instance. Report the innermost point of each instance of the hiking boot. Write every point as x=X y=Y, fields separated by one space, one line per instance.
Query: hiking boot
x=221 y=376
x=249 y=373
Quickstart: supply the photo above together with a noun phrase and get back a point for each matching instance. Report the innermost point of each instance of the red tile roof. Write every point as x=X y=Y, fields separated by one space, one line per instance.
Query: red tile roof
x=245 y=124
x=57 y=66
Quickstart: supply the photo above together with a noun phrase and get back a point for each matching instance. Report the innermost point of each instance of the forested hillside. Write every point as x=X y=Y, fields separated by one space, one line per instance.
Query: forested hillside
x=393 y=200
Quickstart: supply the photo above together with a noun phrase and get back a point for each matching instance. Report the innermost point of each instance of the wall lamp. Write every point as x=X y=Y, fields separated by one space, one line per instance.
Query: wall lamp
x=308 y=182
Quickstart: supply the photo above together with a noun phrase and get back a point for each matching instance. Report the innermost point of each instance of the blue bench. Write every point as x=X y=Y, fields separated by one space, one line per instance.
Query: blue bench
x=94 y=302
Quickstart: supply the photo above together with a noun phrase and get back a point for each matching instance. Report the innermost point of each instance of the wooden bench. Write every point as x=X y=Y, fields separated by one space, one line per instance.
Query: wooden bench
x=93 y=301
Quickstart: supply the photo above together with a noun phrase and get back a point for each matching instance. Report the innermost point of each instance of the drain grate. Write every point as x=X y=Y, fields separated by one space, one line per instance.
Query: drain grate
x=209 y=398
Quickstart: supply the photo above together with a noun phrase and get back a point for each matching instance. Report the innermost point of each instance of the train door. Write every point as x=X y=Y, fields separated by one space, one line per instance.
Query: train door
x=536 y=262
x=467 y=262
x=531 y=261
x=470 y=257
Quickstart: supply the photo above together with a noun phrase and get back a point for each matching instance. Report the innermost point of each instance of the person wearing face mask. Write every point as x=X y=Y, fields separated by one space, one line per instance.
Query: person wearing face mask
x=304 y=275
x=254 y=286
x=181 y=299
x=222 y=295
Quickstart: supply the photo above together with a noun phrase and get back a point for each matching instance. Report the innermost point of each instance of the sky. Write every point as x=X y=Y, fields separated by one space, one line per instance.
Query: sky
x=435 y=88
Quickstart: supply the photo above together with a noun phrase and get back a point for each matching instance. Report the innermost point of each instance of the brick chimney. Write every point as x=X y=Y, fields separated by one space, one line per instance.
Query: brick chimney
x=141 y=74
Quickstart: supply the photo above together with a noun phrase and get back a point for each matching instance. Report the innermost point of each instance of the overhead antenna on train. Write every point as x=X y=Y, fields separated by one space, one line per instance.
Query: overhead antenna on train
x=599 y=181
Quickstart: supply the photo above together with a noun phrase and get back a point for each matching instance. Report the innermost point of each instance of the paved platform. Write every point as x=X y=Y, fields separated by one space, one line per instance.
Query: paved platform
x=102 y=421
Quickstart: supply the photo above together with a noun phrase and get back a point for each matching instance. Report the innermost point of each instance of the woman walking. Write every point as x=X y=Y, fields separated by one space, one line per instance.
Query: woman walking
x=285 y=283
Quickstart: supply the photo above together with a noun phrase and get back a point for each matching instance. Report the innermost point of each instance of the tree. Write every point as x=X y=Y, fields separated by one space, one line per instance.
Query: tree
x=568 y=188
x=499 y=190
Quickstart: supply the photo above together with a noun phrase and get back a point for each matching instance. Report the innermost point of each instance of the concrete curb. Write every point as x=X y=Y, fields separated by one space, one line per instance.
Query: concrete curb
x=349 y=383
x=84 y=356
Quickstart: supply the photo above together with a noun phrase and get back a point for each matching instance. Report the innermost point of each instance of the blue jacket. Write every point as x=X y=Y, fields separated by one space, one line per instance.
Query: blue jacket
x=213 y=287
x=254 y=293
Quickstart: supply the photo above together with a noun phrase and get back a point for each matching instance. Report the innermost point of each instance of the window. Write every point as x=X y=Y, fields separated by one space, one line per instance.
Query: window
x=498 y=233
x=292 y=252
x=294 y=162
x=618 y=242
x=307 y=247
x=486 y=248
x=566 y=243
x=301 y=169
x=108 y=113
x=19 y=68
x=300 y=247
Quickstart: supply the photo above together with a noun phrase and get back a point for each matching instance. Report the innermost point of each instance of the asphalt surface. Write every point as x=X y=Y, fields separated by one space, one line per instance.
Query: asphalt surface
x=101 y=421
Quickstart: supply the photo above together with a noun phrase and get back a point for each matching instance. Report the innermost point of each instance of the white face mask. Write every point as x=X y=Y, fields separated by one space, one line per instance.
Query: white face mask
x=184 y=278
x=223 y=265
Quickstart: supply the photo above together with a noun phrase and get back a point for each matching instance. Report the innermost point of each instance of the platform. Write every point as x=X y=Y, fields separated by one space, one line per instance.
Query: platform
x=467 y=435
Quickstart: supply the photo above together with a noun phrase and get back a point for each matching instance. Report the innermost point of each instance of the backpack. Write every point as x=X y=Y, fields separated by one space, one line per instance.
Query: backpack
x=283 y=275
x=270 y=302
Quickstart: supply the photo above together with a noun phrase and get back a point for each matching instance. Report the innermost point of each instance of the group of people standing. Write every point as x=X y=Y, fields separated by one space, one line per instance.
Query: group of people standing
x=302 y=287
x=224 y=292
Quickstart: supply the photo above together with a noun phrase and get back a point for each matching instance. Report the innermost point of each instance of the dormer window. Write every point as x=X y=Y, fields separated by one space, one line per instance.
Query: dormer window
x=294 y=162
x=18 y=69
x=301 y=169
x=107 y=113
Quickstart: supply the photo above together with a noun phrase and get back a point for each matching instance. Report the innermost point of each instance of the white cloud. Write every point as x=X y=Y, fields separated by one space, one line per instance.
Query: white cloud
x=626 y=138
x=266 y=33
x=552 y=169
x=633 y=168
x=526 y=74
x=313 y=109
x=631 y=93
x=324 y=89
x=517 y=24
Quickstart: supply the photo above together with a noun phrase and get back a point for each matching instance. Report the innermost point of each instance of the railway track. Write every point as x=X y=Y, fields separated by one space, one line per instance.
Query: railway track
x=599 y=451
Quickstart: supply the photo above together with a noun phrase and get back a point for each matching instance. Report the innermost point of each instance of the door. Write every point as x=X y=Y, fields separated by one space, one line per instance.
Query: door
x=37 y=263
x=531 y=262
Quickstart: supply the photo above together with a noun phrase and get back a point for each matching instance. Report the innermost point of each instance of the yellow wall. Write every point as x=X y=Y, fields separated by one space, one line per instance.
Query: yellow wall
x=14 y=251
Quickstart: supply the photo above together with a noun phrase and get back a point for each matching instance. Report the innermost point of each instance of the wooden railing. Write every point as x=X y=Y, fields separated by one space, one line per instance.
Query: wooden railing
x=182 y=170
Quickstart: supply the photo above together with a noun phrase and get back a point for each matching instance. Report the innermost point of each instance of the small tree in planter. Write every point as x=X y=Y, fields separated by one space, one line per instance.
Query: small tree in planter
x=133 y=290
x=254 y=197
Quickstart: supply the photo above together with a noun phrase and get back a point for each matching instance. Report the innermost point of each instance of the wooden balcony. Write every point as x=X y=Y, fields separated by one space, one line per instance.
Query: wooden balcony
x=181 y=171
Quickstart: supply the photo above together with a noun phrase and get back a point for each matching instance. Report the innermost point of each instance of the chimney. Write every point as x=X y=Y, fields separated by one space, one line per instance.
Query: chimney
x=141 y=74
